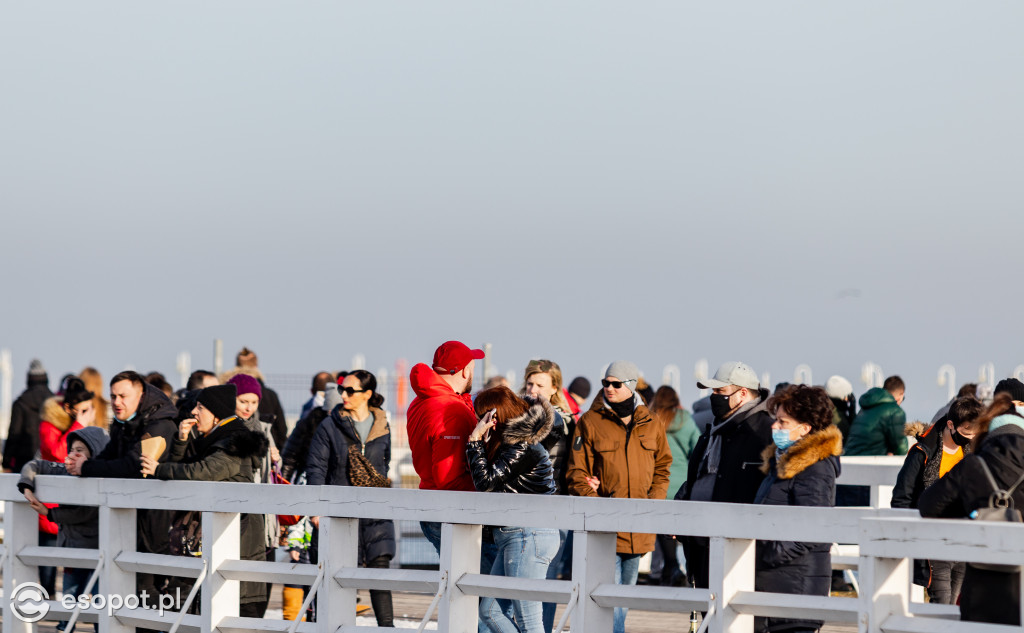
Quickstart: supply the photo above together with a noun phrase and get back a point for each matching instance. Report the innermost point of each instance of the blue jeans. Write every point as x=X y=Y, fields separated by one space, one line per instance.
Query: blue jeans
x=522 y=553
x=627 y=568
x=556 y=567
x=488 y=552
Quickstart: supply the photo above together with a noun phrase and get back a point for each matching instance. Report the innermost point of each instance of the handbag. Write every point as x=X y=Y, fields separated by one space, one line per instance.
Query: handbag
x=186 y=534
x=362 y=473
x=1000 y=508
x=285 y=520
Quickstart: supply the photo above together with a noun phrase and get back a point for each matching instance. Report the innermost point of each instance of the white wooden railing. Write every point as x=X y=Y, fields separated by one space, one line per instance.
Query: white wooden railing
x=886 y=538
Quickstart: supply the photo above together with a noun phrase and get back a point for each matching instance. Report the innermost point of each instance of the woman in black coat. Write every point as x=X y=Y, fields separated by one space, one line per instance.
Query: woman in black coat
x=987 y=595
x=801 y=468
x=223 y=450
x=358 y=422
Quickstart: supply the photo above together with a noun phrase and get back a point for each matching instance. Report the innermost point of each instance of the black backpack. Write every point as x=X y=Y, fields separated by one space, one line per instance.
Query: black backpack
x=1000 y=508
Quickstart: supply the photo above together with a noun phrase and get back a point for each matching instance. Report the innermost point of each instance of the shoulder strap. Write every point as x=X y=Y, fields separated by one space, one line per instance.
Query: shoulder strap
x=988 y=473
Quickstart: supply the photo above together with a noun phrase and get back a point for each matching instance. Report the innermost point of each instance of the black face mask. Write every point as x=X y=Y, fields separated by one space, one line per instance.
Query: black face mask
x=958 y=438
x=622 y=409
x=720 y=406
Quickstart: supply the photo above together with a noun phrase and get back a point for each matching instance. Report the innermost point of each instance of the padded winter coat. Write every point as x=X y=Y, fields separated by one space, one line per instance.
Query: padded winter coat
x=54 y=428
x=804 y=475
x=521 y=463
x=879 y=427
x=439 y=422
x=327 y=463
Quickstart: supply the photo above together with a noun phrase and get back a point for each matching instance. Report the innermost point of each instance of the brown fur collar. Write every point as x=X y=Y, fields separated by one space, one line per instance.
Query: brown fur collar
x=531 y=427
x=380 y=426
x=809 y=450
x=53 y=412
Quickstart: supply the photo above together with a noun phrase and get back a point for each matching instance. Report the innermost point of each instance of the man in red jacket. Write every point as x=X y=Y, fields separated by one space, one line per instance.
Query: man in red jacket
x=439 y=422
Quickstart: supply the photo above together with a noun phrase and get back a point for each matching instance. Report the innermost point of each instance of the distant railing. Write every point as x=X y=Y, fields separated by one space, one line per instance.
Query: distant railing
x=887 y=540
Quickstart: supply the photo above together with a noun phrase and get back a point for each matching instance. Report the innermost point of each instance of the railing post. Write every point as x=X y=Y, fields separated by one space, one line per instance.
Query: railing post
x=460 y=555
x=881 y=496
x=20 y=530
x=593 y=565
x=118 y=528
x=339 y=548
x=731 y=569
x=221 y=542
x=884 y=591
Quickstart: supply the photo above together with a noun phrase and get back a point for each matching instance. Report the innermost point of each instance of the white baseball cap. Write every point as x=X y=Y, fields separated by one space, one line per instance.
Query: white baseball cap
x=732 y=373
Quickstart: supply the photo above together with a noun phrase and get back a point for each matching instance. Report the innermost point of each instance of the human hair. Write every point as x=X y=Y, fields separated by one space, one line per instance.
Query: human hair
x=75 y=392
x=496 y=381
x=964 y=410
x=552 y=369
x=197 y=378
x=368 y=382
x=158 y=380
x=1002 y=404
x=94 y=382
x=320 y=380
x=970 y=389
x=809 y=405
x=507 y=406
x=665 y=404
x=133 y=376
x=892 y=384
x=246 y=358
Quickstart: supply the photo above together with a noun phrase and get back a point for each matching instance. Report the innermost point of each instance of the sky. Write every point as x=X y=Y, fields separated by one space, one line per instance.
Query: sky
x=778 y=183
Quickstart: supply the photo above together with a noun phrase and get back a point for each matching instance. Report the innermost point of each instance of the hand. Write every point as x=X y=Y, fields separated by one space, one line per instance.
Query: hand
x=483 y=427
x=275 y=455
x=184 y=428
x=36 y=504
x=148 y=465
x=294 y=554
x=73 y=464
x=593 y=482
x=315 y=521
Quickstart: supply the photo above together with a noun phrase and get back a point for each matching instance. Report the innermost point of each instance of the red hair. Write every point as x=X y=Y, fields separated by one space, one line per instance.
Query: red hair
x=507 y=406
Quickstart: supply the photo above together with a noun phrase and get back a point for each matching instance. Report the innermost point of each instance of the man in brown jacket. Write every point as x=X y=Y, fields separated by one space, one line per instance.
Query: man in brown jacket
x=618 y=451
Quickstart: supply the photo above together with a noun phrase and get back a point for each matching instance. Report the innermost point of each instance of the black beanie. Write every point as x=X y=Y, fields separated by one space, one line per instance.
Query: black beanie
x=220 y=400
x=580 y=386
x=1011 y=386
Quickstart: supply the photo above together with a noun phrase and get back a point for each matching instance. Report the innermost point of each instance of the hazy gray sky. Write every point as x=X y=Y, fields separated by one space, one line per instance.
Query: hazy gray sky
x=783 y=183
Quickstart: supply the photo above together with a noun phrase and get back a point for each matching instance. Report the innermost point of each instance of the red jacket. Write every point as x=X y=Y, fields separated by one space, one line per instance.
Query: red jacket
x=53 y=444
x=439 y=422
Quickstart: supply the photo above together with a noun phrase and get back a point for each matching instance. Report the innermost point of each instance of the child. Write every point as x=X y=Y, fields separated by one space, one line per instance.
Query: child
x=78 y=526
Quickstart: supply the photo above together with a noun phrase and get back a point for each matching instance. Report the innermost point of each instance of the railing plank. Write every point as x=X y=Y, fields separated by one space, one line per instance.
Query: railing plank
x=593 y=566
x=118 y=528
x=153 y=619
x=221 y=543
x=60 y=556
x=268 y=571
x=339 y=550
x=957 y=539
x=245 y=625
x=159 y=564
x=460 y=555
x=483 y=586
x=410 y=580
x=20 y=531
x=787 y=605
x=905 y=624
x=649 y=598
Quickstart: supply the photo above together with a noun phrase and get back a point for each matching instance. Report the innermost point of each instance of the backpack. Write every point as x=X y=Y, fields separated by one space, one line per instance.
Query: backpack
x=1000 y=508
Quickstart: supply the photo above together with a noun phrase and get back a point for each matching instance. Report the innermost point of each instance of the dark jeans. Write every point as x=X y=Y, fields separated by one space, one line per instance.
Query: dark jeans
x=381 y=599
x=48 y=575
x=947 y=578
x=74 y=584
x=670 y=557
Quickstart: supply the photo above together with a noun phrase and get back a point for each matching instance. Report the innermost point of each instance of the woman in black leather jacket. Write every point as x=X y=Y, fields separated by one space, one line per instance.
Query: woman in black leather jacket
x=506 y=455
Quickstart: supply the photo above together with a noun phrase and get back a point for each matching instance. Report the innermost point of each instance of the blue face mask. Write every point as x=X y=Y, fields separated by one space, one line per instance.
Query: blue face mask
x=781 y=439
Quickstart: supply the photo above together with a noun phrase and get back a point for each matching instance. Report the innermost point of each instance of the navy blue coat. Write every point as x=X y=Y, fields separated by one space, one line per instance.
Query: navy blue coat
x=805 y=475
x=327 y=463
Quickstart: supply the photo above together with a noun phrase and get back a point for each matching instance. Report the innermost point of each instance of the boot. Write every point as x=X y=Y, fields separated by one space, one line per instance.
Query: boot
x=292 y=602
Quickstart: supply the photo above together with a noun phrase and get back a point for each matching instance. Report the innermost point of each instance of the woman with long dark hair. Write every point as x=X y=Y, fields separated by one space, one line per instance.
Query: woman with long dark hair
x=352 y=441
x=506 y=454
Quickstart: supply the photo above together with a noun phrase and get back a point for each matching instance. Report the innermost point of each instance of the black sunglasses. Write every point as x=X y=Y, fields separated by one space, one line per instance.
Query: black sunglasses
x=615 y=383
x=350 y=391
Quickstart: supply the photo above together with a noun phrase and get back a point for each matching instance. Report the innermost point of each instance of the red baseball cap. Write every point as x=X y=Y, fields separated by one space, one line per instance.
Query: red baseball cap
x=452 y=357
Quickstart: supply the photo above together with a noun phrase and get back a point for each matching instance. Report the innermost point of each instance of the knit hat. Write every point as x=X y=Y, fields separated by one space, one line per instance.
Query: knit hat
x=624 y=371
x=35 y=368
x=246 y=384
x=838 y=388
x=1011 y=386
x=220 y=400
x=580 y=386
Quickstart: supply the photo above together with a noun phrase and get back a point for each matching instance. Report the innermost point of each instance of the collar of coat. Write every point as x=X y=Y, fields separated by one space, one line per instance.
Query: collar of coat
x=641 y=414
x=379 y=428
x=808 y=450
x=532 y=426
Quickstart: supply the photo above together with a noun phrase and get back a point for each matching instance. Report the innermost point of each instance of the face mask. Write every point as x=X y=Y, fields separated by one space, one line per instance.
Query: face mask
x=781 y=439
x=720 y=406
x=959 y=439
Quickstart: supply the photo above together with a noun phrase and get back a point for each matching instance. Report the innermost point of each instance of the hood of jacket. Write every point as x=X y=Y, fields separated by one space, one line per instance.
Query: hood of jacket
x=808 y=450
x=93 y=436
x=426 y=383
x=53 y=412
x=532 y=426
x=235 y=439
x=347 y=425
x=153 y=404
x=874 y=397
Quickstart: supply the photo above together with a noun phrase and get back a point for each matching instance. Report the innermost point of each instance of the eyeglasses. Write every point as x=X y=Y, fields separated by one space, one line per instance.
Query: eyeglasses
x=615 y=383
x=350 y=391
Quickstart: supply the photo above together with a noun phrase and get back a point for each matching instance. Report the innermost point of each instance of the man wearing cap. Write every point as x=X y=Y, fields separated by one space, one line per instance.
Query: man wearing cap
x=726 y=462
x=618 y=451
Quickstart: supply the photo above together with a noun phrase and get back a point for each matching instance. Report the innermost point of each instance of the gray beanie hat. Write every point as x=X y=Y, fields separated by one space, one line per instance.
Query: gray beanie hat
x=35 y=368
x=624 y=371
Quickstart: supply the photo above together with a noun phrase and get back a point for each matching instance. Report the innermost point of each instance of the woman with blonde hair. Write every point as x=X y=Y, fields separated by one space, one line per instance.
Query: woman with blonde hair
x=94 y=382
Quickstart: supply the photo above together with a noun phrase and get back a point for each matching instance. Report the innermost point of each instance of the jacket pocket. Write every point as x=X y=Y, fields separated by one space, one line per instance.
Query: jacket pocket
x=605 y=445
x=649 y=442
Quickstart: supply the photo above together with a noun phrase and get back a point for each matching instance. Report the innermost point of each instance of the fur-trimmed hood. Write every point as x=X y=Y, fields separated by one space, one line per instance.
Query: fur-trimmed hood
x=53 y=412
x=531 y=427
x=808 y=450
x=916 y=429
x=248 y=371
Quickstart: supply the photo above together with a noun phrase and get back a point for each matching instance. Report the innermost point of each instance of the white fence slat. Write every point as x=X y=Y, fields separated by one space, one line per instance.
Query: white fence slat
x=118 y=528
x=20 y=531
x=152 y=619
x=411 y=580
x=731 y=571
x=593 y=565
x=784 y=605
x=268 y=571
x=976 y=541
x=651 y=598
x=905 y=624
x=481 y=585
x=884 y=591
x=221 y=542
x=159 y=564
x=76 y=557
x=339 y=549
x=460 y=555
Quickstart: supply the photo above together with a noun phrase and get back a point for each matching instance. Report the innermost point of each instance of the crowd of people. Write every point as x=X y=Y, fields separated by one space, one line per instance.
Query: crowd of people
x=741 y=444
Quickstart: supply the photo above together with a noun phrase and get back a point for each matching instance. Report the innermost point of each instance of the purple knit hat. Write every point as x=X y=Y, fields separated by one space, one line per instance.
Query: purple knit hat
x=246 y=384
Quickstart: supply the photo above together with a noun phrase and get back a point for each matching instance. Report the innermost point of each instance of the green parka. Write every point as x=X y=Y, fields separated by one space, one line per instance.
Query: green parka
x=879 y=428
